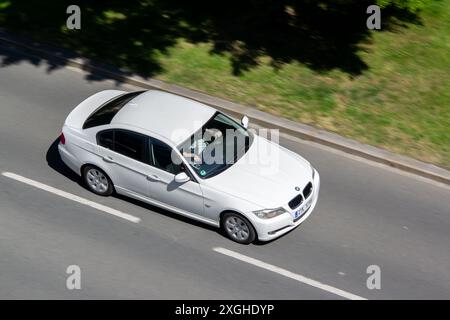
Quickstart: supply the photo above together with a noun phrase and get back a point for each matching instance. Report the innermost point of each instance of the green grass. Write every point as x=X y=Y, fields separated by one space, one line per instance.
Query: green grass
x=401 y=103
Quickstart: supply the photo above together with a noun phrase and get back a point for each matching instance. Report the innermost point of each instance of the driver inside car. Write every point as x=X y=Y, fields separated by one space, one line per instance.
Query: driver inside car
x=200 y=144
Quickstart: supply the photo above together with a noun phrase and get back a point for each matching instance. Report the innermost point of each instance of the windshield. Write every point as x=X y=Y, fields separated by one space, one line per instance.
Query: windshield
x=215 y=147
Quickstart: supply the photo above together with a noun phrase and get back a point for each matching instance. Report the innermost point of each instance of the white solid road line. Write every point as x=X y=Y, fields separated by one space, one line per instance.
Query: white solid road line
x=72 y=197
x=288 y=274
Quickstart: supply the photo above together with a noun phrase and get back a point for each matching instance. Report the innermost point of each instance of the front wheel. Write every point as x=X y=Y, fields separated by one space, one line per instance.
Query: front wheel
x=97 y=181
x=238 y=228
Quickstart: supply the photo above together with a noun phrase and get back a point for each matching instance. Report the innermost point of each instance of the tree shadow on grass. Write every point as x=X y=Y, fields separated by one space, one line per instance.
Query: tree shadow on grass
x=131 y=35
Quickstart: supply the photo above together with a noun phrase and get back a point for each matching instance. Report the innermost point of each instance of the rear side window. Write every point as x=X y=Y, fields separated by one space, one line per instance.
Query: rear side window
x=105 y=139
x=130 y=144
x=106 y=113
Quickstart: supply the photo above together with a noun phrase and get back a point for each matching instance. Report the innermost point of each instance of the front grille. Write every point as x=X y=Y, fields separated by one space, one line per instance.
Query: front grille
x=294 y=203
x=307 y=190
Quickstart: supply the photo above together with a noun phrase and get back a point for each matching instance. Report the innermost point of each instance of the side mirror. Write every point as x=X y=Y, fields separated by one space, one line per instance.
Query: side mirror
x=244 y=122
x=182 y=177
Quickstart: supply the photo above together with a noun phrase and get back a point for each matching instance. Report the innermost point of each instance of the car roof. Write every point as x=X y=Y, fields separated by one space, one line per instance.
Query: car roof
x=173 y=117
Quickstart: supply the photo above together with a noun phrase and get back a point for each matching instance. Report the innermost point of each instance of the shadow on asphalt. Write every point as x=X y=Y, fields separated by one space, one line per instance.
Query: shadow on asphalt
x=55 y=162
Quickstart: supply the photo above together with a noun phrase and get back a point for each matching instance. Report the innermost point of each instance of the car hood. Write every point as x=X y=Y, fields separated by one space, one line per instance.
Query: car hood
x=267 y=175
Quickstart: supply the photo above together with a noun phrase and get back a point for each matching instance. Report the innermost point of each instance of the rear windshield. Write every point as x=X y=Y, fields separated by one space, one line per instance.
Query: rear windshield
x=106 y=113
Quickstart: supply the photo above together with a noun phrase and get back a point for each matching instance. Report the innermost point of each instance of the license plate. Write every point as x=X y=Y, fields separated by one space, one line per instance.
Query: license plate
x=302 y=210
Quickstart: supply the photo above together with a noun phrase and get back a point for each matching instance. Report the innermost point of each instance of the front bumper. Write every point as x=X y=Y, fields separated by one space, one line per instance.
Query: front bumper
x=268 y=229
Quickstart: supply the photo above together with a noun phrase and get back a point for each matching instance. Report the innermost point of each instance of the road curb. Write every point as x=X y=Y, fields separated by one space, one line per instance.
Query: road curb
x=258 y=117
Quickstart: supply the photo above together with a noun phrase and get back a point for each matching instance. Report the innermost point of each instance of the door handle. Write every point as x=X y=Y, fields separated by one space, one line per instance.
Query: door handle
x=153 y=177
x=108 y=159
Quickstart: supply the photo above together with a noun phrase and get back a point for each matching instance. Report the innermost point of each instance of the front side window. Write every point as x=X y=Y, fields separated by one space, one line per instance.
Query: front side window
x=162 y=157
x=106 y=113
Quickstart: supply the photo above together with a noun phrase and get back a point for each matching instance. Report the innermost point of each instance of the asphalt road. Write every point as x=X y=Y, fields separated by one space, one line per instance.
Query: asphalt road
x=367 y=214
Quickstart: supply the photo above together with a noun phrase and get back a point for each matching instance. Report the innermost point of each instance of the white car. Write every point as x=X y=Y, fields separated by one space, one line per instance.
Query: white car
x=148 y=145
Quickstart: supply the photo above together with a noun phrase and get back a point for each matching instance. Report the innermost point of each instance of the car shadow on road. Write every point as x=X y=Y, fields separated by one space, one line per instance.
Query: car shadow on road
x=164 y=212
x=55 y=162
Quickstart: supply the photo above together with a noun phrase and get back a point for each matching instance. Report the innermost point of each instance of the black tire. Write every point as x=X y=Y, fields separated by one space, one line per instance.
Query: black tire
x=89 y=183
x=236 y=235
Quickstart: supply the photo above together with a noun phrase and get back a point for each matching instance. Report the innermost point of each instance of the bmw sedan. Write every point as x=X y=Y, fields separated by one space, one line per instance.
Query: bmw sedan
x=189 y=158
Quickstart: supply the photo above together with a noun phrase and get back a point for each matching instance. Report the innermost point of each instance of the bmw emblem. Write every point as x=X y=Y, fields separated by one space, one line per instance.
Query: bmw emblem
x=297 y=188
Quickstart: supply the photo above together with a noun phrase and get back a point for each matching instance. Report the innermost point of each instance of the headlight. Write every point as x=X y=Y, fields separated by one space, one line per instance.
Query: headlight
x=269 y=213
x=313 y=171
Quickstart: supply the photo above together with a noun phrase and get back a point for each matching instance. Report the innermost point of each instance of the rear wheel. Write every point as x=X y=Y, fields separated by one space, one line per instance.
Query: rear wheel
x=238 y=228
x=97 y=181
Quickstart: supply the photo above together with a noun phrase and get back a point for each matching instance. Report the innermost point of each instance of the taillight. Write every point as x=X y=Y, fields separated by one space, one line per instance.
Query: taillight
x=62 y=139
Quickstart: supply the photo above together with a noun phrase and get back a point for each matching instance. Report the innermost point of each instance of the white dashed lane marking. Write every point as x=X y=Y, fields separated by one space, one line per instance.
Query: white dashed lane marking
x=72 y=197
x=288 y=274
